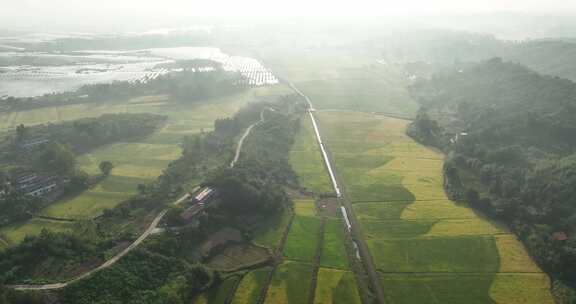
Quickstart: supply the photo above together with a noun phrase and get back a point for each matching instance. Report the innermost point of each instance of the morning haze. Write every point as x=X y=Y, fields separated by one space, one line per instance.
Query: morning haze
x=294 y=152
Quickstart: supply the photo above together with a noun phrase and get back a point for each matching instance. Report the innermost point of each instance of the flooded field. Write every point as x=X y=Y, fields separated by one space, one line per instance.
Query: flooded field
x=28 y=74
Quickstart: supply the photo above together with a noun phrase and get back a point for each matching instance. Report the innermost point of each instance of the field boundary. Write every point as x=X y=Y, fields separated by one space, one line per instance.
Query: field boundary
x=316 y=261
x=278 y=256
x=355 y=230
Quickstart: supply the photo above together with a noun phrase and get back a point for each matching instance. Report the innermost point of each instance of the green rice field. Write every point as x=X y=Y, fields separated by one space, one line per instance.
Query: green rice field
x=250 y=287
x=290 y=284
x=427 y=249
x=336 y=287
x=306 y=160
x=302 y=239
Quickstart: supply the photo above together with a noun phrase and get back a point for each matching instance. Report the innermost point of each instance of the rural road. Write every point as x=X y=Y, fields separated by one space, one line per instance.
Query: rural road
x=246 y=133
x=150 y=230
x=364 y=253
x=108 y=263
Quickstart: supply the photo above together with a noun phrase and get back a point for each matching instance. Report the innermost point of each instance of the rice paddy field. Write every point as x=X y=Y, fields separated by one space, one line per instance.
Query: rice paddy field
x=302 y=238
x=219 y=293
x=135 y=162
x=290 y=284
x=306 y=160
x=336 y=287
x=250 y=287
x=427 y=248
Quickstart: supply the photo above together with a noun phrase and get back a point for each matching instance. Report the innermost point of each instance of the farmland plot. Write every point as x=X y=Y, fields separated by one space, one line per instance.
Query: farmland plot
x=336 y=287
x=426 y=248
x=250 y=287
x=306 y=160
x=290 y=284
x=134 y=162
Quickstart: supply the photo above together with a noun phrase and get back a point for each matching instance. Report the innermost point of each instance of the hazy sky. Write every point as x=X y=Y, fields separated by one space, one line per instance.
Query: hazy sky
x=103 y=12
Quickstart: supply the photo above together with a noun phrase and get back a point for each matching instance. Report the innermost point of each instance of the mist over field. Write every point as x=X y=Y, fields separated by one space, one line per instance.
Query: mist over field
x=264 y=152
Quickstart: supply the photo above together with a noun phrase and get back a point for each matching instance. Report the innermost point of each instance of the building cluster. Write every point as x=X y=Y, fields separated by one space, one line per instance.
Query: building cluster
x=30 y=144
x=33 y=184
x=197 y=203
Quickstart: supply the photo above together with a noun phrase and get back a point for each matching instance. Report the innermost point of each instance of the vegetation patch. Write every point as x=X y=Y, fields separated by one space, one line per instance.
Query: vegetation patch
x=302 y=238
x=517 y=288
x=438 y=288
x=16 y=233
x=436 y=209
x=271 y=232
x=513 y=256
x=306 y=159
x=238 y=256
x=333 y=248
x=290 y=284
x=251 y=286
x=336 y=287
x=305 y=207
x=219 y=293
x=438 y=254
x=379 y=211
x=477 y=226
x=395 y=229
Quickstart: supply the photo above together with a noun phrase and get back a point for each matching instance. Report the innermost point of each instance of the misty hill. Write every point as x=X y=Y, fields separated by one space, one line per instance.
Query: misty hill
x=441 y=47
x=509 y=133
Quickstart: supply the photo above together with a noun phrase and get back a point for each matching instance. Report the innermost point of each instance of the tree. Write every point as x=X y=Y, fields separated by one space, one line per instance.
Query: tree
x=106 y=167
x=21 y=132
x=472 y=196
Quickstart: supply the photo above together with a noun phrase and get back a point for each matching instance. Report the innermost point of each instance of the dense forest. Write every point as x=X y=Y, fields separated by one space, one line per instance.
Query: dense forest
x=509 y=133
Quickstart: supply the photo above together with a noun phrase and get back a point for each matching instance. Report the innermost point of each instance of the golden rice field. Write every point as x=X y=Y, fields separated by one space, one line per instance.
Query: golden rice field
x=427 y=248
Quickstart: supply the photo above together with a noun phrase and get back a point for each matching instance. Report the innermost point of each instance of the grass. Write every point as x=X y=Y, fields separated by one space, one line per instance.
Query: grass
x=449 y=254
x=15 y=234
x=218 y=294
x=521 y=288
x=290 y=284
x=304 y=207
x=379 y=211
x=302 y=238
x=306 y=160
x=250 y=287
x=333 y=248
x=336 y=287
x=270 y=235
x=134 y=163
x=438 y=288
x=237 y=257
x=513 y=256
x=436 y=209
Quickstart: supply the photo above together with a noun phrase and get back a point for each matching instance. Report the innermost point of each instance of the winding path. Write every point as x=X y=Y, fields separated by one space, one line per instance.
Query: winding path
x=246 y=133
x=352 y=225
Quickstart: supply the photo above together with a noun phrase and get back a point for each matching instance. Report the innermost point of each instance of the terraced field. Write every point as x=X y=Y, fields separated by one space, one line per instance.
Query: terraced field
x=134 y=162
x=427 y=248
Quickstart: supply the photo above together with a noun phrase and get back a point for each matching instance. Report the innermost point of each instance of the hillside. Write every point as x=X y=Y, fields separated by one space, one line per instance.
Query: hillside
x=509 y=135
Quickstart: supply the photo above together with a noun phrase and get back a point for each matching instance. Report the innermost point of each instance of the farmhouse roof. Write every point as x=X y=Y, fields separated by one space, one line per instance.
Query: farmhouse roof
x=560 y=236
